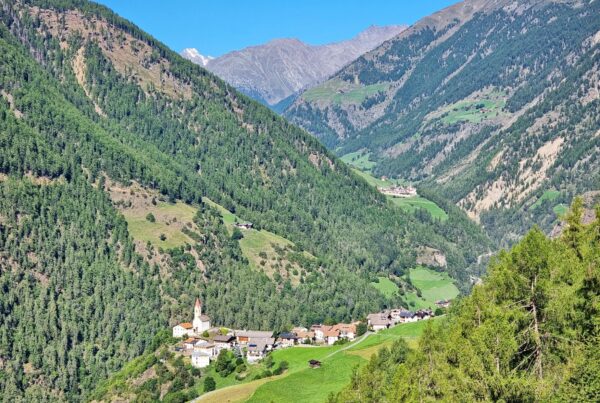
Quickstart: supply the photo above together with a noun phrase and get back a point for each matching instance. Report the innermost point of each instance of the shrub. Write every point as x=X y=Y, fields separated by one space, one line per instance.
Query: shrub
x=150 y=217
x=209 y=384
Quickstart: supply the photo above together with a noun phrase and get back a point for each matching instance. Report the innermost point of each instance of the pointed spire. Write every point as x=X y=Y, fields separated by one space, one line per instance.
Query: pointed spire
x=198 y=303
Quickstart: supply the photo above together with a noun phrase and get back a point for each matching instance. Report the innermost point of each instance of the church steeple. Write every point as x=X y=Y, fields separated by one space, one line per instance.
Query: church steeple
x=197 y=308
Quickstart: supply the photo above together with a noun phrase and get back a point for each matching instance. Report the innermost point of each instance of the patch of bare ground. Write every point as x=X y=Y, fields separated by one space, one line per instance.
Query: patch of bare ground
x=11 y=104
x=148 y=374
x=318 y=160
x=131 y=57
x=532 y=173
x=431 y=257
x=79 y=67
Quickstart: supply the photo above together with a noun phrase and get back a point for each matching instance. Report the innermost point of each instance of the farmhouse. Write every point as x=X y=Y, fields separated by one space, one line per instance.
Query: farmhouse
x=444 y=303
x=247 y=225
x=246 y=336
x=200 y=360
x=182 y=329
x=346 y=330
x=224 y=342
x=379 y=321
x=206 y=348
x=304 y=335
x=287 y=339
x=258 y=348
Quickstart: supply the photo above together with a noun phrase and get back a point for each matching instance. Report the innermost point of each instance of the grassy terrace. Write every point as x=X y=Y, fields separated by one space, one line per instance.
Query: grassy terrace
x=418 y=202
x=434 y=286
x=168 y=219
x=359 y=160
x=475 y=111
x=339 y=92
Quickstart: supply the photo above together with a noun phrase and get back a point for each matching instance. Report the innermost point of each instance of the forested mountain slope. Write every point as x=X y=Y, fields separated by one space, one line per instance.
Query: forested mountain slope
x=529 y=333
x=96 y=116
x=494 y=103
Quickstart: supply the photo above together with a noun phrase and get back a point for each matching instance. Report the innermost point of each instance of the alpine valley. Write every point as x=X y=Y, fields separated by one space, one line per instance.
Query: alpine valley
x=166 y=237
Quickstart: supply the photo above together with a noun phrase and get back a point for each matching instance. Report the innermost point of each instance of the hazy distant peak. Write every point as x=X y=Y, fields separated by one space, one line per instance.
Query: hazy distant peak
x=195 y=56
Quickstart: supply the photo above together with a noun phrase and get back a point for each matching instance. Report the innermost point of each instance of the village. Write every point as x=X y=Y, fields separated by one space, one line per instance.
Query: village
x=202 y=342
x=398 y=191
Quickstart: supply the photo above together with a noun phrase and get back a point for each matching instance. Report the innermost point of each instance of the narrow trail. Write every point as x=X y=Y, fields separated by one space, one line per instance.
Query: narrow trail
x=354 y=343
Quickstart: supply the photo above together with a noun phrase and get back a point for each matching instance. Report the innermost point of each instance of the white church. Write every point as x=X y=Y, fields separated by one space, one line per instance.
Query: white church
x=199 y=325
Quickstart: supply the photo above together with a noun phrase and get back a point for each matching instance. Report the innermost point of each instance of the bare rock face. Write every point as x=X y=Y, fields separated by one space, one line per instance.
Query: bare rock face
x=280 y=68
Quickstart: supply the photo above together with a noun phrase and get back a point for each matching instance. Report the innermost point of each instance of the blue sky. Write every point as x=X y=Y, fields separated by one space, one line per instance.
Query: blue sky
x=219 y=26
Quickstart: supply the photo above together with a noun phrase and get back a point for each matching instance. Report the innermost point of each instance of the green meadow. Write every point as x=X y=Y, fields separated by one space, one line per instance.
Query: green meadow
x=418 y=202
x=359 y=160
x=434 y=286
x=386 y=286
x=339 y=92
x=146 y=231
x=475 y=111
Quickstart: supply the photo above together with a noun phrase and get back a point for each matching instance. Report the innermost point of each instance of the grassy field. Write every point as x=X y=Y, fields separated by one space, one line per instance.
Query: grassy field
x=548 y=195
x=359 y=160
x=339 y=92
x=560 y=209
x=434 y=286
x=165 y=214
x=386 y=286
x=475 y=111
x=418 y=202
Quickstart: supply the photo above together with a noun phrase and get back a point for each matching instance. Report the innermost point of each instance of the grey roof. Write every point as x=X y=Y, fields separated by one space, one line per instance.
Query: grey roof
x=253 y=334
x=204 y=318
x=199 y=354
x=260 y=344
x=406 y=314
x=223 y=338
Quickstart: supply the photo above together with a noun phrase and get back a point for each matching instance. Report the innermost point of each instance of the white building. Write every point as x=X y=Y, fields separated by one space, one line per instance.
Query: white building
x=201 y=323
x=200 y=359
x=183 y=329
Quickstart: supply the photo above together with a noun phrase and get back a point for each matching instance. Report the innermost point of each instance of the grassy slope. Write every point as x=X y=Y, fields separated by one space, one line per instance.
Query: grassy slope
x=254 y=242
x=360 y=160
x=338 y=92
x=434 y=286
x=386 y=286
x=144 y=230
x=314 y=385
x=418 y=202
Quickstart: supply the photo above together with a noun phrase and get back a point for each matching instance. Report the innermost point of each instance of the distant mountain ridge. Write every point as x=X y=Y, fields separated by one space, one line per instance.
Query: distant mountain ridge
x=280 y=68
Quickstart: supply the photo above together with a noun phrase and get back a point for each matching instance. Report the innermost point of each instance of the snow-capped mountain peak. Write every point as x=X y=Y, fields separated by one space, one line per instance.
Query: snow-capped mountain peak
x=195 y=56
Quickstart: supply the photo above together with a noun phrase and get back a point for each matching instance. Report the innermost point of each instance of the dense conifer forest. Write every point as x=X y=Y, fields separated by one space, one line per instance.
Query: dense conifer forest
x=89 y=101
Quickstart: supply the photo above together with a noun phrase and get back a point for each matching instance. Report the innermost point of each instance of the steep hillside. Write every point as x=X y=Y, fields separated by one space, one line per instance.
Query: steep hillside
x=493 y=103
x=280 y=68
x=112 y=147
x=529 y=333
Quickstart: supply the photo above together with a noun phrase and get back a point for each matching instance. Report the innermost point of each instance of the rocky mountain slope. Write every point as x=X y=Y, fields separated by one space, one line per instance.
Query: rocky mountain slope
x=123 y=167
x=278 y=69
x=494 y=103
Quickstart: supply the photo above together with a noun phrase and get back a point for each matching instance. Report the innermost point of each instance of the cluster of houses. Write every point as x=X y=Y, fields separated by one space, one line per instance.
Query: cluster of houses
x=391 y=317
x=203 y=343
x=398 y=191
